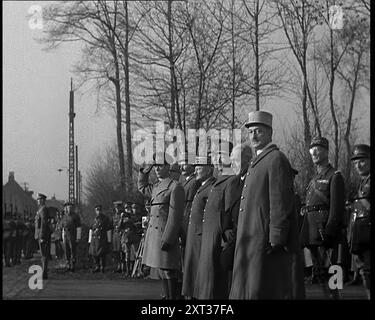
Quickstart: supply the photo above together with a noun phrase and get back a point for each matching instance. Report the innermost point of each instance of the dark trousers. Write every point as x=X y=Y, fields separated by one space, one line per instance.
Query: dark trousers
x=59 y=249
x=100 y=262
x=17 y=249
x=70 y=248
x=7 y=249
x=44 y=248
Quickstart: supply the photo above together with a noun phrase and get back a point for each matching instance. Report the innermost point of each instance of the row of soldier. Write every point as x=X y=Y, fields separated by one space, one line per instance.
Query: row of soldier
x=118 y=234
x=239 y=237
x=18 y=240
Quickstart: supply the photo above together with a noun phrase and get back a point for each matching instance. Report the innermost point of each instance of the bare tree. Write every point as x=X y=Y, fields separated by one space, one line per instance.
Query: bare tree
x=94 y=24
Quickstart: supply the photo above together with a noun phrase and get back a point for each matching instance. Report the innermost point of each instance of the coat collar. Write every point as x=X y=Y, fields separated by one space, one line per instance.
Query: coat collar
x=221 y=180
x=188 y=179
x=209 y=182
x=162 y=186
x=264 y=153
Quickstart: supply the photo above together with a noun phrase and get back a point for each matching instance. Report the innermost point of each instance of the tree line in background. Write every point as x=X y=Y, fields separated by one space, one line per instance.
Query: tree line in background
x=206 y=64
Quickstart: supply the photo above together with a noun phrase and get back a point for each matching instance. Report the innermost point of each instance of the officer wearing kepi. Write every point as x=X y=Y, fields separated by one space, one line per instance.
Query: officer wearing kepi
x=360 y=224
x=71 y=234
x=43 y=232
x=100 y=236
x=324 y=214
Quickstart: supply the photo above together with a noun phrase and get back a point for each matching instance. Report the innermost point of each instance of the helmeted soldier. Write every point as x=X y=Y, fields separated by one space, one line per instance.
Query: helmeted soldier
x=204 y=173
x=100 y=236
x=323 y=224
x=116 y=235
x=43 y=232
x=360 y=224
x=71 y=234
x=161 y=246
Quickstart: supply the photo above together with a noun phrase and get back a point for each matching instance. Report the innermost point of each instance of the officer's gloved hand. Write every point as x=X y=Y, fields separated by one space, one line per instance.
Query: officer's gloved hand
x=165 y=246
x=229 y=235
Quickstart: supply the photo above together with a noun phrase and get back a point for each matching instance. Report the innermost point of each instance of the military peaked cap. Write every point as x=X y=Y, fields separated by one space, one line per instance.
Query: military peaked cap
x=41 y=196
x=319 y=141
x=259 y=117
x=361 y=151
x=67 y=203
x=117 y=203
x=98 y=206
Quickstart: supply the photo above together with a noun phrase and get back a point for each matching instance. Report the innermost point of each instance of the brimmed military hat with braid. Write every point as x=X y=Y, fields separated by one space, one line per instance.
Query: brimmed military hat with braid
x=361 y=151
x=319 y=141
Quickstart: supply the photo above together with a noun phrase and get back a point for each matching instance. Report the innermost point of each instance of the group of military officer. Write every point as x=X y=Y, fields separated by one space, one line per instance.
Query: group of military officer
x=18 y=238
x=120 y=235
x=238 y=236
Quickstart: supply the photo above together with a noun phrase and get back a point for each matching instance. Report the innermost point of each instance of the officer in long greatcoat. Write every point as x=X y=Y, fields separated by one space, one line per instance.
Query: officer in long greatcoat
x=210 y=282
x=100 y=236
x=267 y=232
x=71 y=235
x=204 y=173
x=161 y=246
x=324 y=215
x=240 y=160
x=191 y=185
x=360 y=224
x=43 y=232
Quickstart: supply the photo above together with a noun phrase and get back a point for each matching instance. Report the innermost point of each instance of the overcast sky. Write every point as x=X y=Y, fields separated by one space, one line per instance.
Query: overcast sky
x=36 y=88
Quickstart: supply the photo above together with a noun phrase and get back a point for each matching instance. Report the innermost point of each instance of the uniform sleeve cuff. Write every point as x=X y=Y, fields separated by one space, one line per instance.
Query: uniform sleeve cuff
x=278 y=235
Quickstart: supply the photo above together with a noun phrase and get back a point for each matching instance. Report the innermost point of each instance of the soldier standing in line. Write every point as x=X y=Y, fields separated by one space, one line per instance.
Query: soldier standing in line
x=43 y=232
x=240 y=159
x=191 y=186
x=211 y=282
x=116 y=237
x=100 y=236
x=71 y=235
x=161 y=246
x=17 y=249
x=8 y=230
x=128 y=239
x=28 y=241
x=323 y=214
x=360 y=224
x=204 y=173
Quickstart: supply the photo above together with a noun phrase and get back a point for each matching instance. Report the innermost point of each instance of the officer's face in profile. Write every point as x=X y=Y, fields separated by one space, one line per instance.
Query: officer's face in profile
x=41 y=201
x=259 y=136
x=362 y=166
x=318 y=154
x=161 y=170
x=98 y=211
x=203 y=172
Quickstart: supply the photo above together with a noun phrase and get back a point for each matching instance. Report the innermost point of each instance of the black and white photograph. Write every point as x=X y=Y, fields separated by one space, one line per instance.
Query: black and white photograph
x=187 y=154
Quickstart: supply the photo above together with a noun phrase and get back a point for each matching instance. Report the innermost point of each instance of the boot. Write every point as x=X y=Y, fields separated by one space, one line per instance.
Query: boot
x=366 y=284
x=97 y=265
x=123 y=268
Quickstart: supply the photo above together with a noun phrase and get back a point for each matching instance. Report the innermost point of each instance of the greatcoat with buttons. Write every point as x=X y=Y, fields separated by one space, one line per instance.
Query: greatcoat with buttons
x=210 y=282
x=191 y=185
x=167 y=207
x=267 y=215
x=194 y=236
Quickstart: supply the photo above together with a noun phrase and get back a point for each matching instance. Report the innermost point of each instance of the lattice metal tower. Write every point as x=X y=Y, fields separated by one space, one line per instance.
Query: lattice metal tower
x=71 y=144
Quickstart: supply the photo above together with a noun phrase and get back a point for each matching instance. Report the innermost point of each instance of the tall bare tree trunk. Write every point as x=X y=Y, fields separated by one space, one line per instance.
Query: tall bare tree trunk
x=256 y=51
x=171 y=64
x=129 y=151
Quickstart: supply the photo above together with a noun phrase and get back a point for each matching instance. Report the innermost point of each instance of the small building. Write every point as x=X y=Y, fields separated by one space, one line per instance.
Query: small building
x=17 y=201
